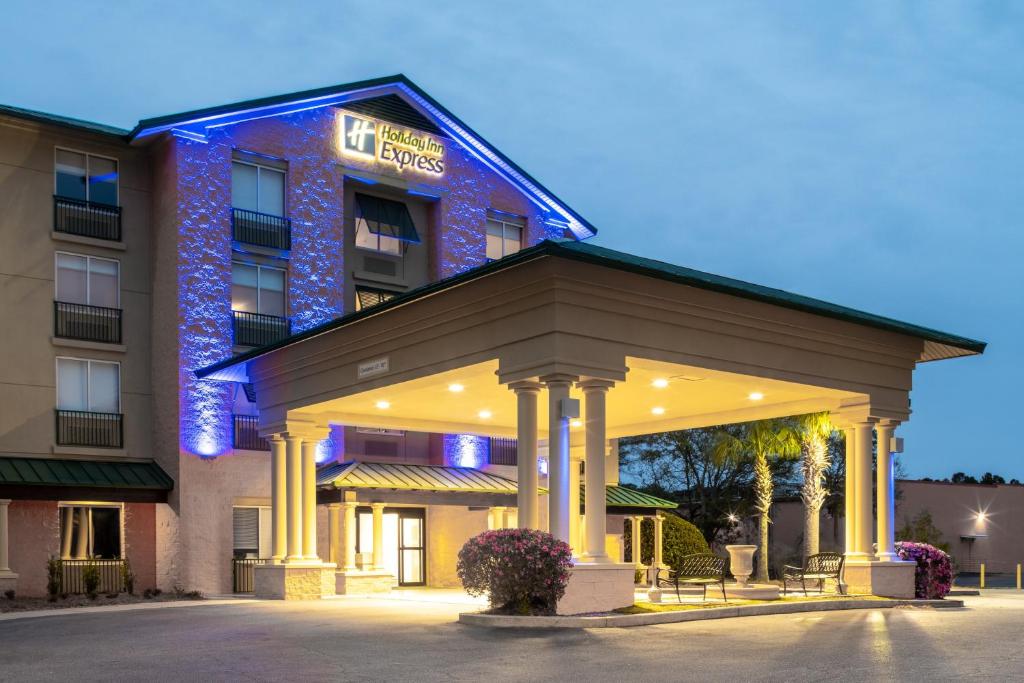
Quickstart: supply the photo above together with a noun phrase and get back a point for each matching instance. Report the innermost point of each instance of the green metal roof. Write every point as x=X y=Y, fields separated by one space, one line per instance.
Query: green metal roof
x=375 y=475
x=943 y=344
x=621 y=496
x=87 y=473
x=65 y=121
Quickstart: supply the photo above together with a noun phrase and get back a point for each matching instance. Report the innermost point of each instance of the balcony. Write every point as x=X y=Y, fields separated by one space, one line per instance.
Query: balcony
x=86 y=323
x=245 y=433
x=502 y=452
x=261 y=229
x=86 y=219
x=257 y=329
x=95 y=430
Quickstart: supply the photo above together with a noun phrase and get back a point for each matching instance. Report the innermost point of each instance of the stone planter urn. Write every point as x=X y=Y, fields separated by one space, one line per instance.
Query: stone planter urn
x=741 y=562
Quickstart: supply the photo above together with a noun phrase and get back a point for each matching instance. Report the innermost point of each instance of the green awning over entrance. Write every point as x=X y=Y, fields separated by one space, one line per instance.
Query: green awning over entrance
x=49 y=472
x=375 y=475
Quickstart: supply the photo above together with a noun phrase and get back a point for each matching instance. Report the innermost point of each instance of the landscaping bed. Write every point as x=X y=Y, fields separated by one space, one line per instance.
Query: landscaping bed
x=74 y=601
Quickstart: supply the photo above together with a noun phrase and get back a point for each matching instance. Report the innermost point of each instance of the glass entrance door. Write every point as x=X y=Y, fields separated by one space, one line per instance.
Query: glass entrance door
x=411 y=548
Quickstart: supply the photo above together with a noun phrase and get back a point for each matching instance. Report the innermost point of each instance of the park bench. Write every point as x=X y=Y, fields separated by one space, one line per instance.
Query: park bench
x=700 y=569
x=820 y=568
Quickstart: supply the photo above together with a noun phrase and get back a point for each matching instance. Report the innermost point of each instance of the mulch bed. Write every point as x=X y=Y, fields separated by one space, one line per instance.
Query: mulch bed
x=73 y=601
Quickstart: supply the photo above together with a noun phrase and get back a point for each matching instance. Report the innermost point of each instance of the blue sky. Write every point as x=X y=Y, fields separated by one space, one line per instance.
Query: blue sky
x=869 y=154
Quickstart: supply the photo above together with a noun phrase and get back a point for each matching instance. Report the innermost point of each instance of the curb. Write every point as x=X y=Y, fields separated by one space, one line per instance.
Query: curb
x=66 y=611
x=626 y=620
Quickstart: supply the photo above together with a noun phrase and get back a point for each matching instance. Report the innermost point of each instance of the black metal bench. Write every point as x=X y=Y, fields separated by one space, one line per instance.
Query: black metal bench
x=700 y=569
x=820 y=568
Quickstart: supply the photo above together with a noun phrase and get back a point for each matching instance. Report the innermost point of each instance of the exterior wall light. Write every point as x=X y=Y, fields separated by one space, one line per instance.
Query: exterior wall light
x=576 y=424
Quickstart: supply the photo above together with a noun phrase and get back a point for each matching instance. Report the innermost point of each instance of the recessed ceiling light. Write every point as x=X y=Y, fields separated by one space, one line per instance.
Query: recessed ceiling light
x=383 y=405
x=755 y=395
x=660 y=383
x=484 y=415
x=658 y=410
x=575 y=424
x=455 y=388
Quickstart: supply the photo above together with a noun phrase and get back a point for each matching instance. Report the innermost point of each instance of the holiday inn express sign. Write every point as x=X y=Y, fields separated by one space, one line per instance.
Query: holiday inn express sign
x=402 y=148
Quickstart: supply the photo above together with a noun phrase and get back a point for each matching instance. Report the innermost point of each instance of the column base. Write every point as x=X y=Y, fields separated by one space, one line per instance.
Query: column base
x=360 y=582
x=8 y=582
x=294 y=580
x=883 y=578
x=598 y=588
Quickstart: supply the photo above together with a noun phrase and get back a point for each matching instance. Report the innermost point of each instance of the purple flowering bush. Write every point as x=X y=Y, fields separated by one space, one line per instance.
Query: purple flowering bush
x=521 y=571
x=933 y=576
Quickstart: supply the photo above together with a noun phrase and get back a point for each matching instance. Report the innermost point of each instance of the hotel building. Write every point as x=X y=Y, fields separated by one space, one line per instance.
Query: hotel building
x=314 y=342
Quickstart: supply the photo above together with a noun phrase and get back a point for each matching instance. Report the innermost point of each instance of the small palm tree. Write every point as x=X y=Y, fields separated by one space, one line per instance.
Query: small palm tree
x=762 y=442
x=814 y=430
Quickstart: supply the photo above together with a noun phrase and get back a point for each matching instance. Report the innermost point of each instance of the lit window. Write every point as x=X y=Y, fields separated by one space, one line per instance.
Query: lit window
x=90 y=531
x=366 y=297
x=504 y=234
x=257 y=188
x=86 y=177
x=88 y=385
x=257 y=289
x=87 y=280
x=383 y=225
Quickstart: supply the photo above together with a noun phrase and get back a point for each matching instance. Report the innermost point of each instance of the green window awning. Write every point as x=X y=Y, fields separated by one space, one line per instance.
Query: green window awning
x=386 y=217
x=52 y=472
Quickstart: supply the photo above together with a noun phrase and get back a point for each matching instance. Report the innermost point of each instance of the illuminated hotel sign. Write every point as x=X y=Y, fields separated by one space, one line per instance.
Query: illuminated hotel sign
x=402 y=148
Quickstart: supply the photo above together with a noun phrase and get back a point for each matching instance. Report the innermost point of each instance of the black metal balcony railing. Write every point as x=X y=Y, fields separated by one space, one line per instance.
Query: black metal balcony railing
x=257 y=329
x=503 y=451
x=86 y=219
x=261 y=229
x=86 y=323
x=111 y=576
x=246 y=435
x=81 y=428
x=242 y=574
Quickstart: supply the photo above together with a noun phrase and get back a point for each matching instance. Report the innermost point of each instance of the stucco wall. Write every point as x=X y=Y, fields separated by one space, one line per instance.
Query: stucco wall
x=448 y=529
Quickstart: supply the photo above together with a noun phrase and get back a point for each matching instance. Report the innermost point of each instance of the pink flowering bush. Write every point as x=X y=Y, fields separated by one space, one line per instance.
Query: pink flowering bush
x=521 y=571
x=934 y=574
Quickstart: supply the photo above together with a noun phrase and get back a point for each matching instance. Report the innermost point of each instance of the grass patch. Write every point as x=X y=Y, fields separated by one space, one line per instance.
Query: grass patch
x=651 y=607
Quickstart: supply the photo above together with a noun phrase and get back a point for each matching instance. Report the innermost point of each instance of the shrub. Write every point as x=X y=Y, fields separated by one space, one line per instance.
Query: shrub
x=54 y=577
x=522 y=571
x=91 y=578
x=680 y=538
x=128 y=577
x=9 y=594
x=933 y=576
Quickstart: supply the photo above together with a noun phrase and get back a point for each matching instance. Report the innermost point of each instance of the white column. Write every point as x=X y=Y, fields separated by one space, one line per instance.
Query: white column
x=309 y=499
x=526 y=456
x=335 y=554
x=378 y=535
x=5 y=557
x=849 y=495
x=496 y=518
x=558 y=457
x=66 y=537
x=595 y=395
x=575 y=473
x=511 y=518
x=862 y=490
x=293 y=445
x=659 y=540
x=637 y=557
x=350 y=536
x=278 y=498
x=885 y=486
x=82 y=537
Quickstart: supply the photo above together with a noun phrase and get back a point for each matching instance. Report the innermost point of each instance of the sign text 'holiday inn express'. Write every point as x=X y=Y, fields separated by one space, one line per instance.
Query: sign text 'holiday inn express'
x=403 y=148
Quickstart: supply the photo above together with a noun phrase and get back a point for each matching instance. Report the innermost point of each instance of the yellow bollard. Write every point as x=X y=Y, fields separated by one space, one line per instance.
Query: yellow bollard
x=1018 y=576
x=982 y=575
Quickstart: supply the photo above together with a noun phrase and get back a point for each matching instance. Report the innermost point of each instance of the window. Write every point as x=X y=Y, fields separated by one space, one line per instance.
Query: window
x=383 y=225
x=91 y=386
x=90 y=531
x=504 y=234
x=252 y=529
x=257 y=289
x=86 y=177
x=87 y=280
x=257 y=188
x=366 y=297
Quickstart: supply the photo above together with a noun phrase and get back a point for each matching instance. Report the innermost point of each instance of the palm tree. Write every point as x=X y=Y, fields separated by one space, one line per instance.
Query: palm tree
x=762 y=441
x=814 y=431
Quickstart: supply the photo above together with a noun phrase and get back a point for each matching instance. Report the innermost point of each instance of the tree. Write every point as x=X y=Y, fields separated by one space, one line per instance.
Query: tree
x=921 y=529
x=961 y=478
x=814 y=431
x=680 y=466
x=989 y=478
x=762 y=443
